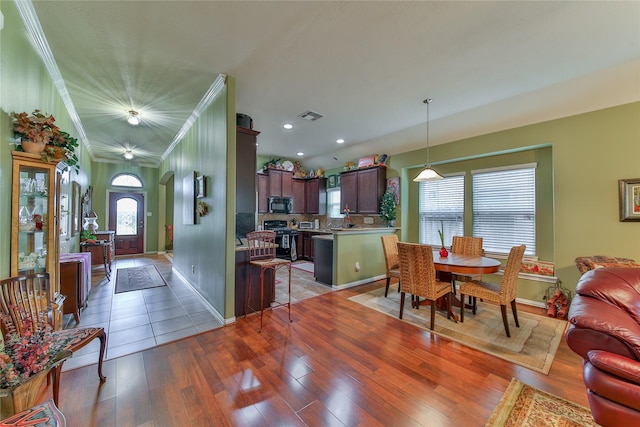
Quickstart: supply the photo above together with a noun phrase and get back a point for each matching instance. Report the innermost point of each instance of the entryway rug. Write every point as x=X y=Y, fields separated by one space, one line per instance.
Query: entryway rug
x=304 y=266
x=533 y=345
x=526 y=406
x=136 y=278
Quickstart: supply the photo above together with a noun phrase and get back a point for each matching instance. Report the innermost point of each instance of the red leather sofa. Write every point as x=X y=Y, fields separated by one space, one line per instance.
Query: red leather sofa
x=605 y=330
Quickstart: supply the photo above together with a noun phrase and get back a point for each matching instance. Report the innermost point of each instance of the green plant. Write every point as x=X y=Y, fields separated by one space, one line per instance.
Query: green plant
x=87 y=235
x=67 y=144
x=388 y=206
x=441 y=233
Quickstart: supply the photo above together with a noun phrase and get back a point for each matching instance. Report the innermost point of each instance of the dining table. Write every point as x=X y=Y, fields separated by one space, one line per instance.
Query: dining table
x=468 y=265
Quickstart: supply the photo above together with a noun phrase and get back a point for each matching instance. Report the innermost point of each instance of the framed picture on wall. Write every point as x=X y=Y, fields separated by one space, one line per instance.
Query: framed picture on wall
x=201 y=187
x=629 y=195
x=76 y=209
x=331 y=181
x=188 y=199
x=393 y=185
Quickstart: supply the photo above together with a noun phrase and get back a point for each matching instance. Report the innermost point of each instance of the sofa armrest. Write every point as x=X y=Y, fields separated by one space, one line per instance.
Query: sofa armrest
x=615 y=364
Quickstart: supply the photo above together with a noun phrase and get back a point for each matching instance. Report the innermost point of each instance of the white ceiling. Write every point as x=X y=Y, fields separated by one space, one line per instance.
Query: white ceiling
x=366 y=66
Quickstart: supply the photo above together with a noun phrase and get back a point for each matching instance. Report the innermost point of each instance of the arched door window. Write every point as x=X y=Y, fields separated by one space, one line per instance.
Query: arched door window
x=126 y=217
x=126 y=180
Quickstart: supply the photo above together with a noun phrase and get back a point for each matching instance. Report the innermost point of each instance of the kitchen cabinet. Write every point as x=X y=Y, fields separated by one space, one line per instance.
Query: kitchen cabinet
x=280 y=183
x=263 y=189
x=323 y=261
x=316 y=196
x=362 y=190
x=245 y=169
x=307 y=244
x=35 y=227
x=299 y=196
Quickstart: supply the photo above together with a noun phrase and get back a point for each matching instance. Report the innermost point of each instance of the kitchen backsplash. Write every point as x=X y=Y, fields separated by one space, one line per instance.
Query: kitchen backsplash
x=324 y=221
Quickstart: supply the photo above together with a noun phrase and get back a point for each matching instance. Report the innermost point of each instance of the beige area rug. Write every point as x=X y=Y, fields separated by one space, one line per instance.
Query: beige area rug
x=526 y=406
x=532 y=345
x=304 y=266
x=303 y=285
x=136 y=278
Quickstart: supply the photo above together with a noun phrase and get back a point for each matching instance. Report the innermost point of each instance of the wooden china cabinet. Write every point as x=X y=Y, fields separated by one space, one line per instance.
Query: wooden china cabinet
x=35 y=229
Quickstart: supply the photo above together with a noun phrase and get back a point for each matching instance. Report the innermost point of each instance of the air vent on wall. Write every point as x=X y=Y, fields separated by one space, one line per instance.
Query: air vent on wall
x=312 y=116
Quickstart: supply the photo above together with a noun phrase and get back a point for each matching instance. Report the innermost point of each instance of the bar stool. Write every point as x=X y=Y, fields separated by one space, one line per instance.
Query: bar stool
x=262 y=254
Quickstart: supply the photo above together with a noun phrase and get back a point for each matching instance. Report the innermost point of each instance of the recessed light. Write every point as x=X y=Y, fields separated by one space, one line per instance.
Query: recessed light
x=287 y=126
x=340 y=141
x=300 y=153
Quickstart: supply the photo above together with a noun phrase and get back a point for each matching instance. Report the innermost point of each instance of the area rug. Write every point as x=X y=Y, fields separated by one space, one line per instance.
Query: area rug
x=136 y=278
x=304 y=266
x=532 y=345
x=526 y=406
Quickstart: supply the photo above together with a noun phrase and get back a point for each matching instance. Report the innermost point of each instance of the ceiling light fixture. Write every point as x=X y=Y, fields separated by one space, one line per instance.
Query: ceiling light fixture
x=133 y=118
x=128 y=154
x=340 y=141
x=300 y=153
x=287 y=126
x=428 y=173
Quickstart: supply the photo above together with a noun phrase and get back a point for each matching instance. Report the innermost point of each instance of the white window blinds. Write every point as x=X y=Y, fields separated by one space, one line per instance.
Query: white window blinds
x=504 y=211
x=441 y=207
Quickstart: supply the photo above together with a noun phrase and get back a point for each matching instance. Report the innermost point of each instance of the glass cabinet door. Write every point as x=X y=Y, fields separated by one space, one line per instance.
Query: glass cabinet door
x=33 y=219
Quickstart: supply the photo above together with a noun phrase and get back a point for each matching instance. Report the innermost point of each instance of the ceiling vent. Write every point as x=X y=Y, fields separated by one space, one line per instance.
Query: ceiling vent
x=312 y=116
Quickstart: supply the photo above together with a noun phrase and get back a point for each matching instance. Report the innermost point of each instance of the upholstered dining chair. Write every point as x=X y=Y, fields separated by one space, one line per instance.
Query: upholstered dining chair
x=390 y=249
x=262 y=254
x=418 y=277
x=503 y=293
x=25 y=306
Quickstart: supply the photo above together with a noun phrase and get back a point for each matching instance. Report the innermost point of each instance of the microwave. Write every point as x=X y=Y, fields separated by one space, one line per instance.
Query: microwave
x=280 y=205
x=305 y=225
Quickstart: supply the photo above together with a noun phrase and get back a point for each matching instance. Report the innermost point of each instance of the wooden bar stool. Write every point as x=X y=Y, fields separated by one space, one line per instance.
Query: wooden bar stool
x=262 y=254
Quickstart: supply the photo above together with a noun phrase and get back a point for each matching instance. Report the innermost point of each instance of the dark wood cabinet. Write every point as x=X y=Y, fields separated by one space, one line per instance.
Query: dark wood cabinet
x=362 y=190
x=299 y=196
x=263 y=190
x=316 y=196
x=280 y=183
x=307 y=245
x=245 y=170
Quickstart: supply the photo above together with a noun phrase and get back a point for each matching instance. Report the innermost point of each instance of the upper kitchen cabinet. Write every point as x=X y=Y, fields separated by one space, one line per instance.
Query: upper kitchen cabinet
x=280 y=183
x=362 y=190
x=299 y=196
x=245 y=170
x=35 y=220
x=316 y=196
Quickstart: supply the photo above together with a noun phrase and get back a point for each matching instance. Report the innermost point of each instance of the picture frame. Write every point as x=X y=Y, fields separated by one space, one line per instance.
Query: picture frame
x=201 y=187
x=331 y=181
x=393 y=185
x=629 y=199
x=188 y=199
x=76 y=209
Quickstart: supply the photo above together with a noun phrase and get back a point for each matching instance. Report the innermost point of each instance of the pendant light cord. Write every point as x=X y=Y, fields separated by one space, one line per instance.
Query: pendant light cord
x=428 y=101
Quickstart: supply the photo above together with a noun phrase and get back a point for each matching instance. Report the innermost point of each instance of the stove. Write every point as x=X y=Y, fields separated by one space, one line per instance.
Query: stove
x=285 y=238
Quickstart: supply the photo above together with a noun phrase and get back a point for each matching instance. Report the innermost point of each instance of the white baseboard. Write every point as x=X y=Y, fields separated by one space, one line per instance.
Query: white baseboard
x=359 y=282
x=204 y=302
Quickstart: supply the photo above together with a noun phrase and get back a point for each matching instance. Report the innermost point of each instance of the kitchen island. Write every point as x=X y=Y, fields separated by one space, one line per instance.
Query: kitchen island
x=357 y=255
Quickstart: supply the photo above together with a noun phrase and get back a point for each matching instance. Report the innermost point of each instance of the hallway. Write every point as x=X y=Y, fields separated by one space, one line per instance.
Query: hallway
x=139 y=320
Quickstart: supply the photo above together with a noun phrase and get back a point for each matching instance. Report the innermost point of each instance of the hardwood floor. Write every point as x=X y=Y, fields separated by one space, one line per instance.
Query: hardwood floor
x=338 y=363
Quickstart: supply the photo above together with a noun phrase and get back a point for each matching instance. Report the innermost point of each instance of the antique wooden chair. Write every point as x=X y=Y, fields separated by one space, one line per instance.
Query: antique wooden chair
x=390 y=248
x=503 y=293
x=418 y=277
x=262 y=254
x=25 y=302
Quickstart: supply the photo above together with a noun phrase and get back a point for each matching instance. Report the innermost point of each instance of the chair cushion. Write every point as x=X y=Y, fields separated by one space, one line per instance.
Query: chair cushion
x=78 y=337
x=483 y=290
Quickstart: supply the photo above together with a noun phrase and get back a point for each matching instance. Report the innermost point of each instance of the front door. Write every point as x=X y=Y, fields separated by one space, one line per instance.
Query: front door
x=126 y=217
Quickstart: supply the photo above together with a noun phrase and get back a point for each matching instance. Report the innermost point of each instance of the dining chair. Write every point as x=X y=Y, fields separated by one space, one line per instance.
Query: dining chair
x=465 y=245
x=390 y=249
x=503 y=293
x=418 y=277
x=262 y=254
x=25 y=307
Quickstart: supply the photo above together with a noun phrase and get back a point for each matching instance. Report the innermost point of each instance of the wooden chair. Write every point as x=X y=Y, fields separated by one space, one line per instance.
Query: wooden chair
x=465 y=245
x=24 y=301
x=418 y=277
x=262 y=254
x=502 y=293
x=390 y=248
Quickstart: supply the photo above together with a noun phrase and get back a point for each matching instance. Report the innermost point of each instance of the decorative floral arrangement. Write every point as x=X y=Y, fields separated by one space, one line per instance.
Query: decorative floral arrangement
x=67 y=144
x=37 y=127
x=27 y=355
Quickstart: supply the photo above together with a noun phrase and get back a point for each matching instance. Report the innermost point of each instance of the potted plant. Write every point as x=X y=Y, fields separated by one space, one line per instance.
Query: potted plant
x=62 y=146
x=388 y=208
x=88 y=236
x=34 y=131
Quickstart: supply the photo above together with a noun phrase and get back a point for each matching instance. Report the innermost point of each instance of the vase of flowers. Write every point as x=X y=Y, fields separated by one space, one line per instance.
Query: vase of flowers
x=34 y=131
x=388 y=208
x=443 y=251
x=24 y=364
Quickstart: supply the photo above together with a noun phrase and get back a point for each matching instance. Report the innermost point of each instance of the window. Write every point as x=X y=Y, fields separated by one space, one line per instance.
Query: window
x=126 y=180
x=504 y=208
x=441 y=208
x=127 y=217
x=333 y=203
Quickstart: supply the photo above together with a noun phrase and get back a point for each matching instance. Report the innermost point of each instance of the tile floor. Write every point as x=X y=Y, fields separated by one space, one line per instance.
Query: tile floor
x=138 y=320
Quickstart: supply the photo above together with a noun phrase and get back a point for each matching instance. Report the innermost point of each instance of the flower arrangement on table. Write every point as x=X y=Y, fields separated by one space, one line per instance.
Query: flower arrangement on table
x=26 y=355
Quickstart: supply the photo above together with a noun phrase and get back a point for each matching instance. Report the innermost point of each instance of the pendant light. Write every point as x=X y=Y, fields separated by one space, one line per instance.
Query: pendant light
x=428 y=173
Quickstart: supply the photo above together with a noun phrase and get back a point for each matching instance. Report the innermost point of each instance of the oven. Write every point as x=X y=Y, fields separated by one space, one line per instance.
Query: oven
x=286 y=239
